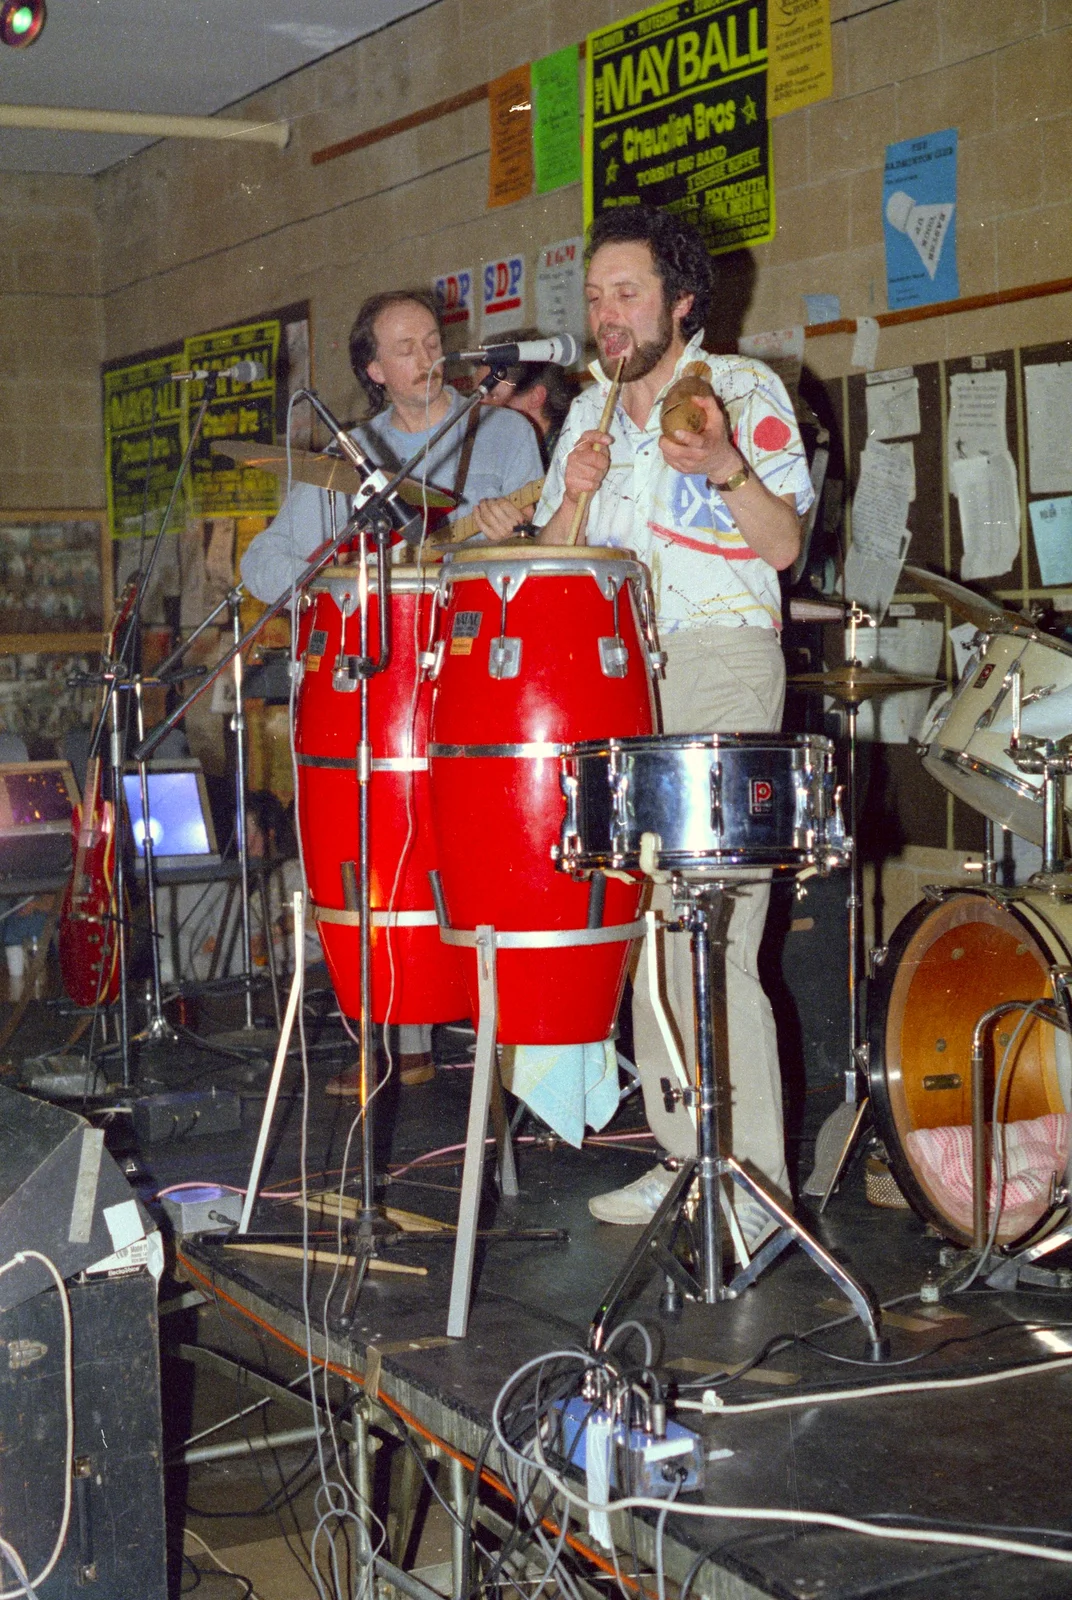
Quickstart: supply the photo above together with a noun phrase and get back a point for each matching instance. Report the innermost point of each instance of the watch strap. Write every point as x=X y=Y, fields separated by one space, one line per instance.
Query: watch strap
x=735 y=479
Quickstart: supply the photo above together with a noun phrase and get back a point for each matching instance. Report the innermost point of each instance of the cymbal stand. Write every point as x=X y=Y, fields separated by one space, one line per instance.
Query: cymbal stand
x=854 y=904
x=705 y=906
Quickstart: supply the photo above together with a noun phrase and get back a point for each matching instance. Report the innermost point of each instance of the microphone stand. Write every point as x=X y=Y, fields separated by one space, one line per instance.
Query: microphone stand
x=327 y=551
x=116 y=674
x=370 y=1229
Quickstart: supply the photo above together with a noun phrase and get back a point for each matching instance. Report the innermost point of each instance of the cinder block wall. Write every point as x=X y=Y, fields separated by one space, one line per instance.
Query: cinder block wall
x=51 y=338
x=189 y=236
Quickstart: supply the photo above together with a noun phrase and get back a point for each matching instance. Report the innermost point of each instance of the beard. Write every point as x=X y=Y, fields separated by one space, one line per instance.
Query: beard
x=646 y=357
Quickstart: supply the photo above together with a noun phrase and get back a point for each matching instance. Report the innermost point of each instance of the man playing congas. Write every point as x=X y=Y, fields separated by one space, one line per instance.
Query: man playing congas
x=396 y=354
x=716 y=515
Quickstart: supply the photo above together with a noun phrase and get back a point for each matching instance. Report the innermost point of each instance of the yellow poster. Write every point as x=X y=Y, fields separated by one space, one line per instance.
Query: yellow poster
x=798 y=45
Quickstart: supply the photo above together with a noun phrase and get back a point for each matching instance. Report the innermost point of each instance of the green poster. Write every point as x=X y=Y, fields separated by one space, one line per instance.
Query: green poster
x=676 y=108
x=218 y=486
x=129 y=419
x=556 y=133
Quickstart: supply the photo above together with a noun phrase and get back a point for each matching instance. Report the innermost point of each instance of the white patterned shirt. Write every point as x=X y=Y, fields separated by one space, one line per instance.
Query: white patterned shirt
x=702 y=570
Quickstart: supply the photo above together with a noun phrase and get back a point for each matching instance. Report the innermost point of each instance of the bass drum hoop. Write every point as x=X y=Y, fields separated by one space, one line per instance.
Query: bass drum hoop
x=887 y=1008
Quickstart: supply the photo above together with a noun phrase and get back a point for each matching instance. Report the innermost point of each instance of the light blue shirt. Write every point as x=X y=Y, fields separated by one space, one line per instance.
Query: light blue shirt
x=506 y=456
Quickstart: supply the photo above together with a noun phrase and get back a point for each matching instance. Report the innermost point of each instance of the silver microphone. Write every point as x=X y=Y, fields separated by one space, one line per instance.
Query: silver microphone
x=562 y=349
x=241 y=372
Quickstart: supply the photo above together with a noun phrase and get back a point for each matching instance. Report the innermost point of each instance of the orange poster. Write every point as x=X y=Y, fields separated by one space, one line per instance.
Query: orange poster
x=510 y=117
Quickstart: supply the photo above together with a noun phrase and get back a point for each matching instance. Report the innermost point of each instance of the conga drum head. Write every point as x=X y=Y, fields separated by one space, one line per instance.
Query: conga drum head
x=947 y=964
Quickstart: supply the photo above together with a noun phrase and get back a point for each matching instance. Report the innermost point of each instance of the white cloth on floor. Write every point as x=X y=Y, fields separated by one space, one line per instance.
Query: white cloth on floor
x=568 y=1086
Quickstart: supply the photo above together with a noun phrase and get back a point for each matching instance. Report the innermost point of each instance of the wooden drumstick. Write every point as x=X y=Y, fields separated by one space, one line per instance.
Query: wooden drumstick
x=604 y=423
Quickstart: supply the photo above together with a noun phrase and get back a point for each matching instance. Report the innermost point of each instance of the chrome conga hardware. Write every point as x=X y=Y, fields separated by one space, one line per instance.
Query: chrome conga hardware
x=613 y=652
x=504 y=655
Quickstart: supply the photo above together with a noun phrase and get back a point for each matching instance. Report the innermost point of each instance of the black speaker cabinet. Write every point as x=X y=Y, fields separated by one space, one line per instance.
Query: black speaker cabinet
x=115 y=1547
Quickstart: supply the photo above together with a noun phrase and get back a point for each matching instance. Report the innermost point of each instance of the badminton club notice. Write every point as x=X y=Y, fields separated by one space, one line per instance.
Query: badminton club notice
x=676 y=101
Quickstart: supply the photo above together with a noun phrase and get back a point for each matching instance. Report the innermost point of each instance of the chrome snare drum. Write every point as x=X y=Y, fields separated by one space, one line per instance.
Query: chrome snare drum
x=716 y=803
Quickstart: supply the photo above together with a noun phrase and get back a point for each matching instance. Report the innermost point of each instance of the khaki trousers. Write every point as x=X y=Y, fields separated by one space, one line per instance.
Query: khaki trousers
x=719 y=680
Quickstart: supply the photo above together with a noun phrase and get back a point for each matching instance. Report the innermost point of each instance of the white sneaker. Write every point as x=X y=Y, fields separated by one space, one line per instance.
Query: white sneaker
x=757 y=1225
x=636 y=1202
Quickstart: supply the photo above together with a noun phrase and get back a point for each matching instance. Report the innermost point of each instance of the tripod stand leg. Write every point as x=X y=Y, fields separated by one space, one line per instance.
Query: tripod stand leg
x=484 y=1068
x=649 y=1247
x=791 y=1232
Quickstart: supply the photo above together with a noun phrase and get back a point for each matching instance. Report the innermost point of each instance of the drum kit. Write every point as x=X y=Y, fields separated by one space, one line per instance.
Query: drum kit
x=520 y=796
x=974 y=983
x=482 y=796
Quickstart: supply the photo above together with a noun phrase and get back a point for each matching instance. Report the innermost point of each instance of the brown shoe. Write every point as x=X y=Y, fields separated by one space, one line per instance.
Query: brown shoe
x=413 y=1070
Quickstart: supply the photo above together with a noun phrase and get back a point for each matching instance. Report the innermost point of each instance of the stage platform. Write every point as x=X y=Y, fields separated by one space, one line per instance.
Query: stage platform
x=990 y=1459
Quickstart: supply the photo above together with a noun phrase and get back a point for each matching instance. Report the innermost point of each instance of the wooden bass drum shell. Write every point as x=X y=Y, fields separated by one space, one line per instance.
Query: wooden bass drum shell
x=947 y=963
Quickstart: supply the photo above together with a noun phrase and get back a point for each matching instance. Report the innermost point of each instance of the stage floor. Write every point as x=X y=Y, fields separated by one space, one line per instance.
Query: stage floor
x=990 y=1460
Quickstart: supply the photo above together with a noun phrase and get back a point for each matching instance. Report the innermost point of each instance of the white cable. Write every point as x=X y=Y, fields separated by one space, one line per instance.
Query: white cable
x=19 y=1260
x=16 y=1562
x=779 y=1514
x=909 y=1386
x=188 y=1533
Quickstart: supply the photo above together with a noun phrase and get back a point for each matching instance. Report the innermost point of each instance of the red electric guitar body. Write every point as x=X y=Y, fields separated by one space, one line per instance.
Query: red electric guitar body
x=88 y=942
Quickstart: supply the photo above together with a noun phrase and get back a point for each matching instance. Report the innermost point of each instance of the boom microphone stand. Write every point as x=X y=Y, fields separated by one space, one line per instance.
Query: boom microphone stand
x=376 y=509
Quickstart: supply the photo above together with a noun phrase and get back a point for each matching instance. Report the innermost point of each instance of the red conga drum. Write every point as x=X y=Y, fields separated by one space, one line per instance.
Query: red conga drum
x=538 y=647
x=415 y=977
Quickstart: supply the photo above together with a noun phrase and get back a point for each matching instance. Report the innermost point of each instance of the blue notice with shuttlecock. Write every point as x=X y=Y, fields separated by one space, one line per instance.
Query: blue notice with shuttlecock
x=919 y=202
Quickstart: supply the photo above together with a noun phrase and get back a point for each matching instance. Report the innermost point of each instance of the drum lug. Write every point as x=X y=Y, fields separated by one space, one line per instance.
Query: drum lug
x=613 y=657
x=657 y=663
x=876 y=957
x=504 y=657
x=716 y=798
x=567 y=851
x=619 y=837
x=345 y=678
x=430 y=662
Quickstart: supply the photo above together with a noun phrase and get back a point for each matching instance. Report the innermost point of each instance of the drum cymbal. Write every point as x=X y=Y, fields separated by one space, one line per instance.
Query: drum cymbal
x=323 y=471
x=987 y=615
x=853 y=683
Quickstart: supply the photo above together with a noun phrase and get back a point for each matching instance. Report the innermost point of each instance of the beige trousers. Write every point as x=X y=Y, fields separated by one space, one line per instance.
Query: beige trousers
x=719 y=680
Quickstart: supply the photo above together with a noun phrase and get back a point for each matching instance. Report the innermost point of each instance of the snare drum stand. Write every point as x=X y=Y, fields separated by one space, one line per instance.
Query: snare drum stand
x=706 y=905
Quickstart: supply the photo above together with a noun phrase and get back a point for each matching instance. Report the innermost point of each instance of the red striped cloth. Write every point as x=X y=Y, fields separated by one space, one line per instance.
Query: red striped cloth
x=1034 y=1151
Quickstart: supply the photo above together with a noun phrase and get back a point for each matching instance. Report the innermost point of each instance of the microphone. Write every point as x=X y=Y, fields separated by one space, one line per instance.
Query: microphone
x=241 y=372
x=562 y=349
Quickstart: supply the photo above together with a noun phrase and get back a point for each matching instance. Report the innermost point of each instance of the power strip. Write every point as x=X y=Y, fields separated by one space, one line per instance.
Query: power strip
x=640 y=1463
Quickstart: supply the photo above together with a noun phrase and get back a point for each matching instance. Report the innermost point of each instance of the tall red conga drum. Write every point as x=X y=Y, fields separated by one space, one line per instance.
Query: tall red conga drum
x=537 y=647
x=415 y=977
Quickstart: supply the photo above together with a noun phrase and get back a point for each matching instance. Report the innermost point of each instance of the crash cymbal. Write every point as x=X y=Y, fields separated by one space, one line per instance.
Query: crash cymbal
x=853 y=683
x=323 y=471
x=990 y=616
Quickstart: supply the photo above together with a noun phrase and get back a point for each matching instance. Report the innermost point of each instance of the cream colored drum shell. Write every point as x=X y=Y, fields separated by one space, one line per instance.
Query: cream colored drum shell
x=971 y=761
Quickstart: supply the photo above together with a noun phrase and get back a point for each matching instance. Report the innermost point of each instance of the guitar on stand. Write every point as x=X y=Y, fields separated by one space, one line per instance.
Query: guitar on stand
x=88 y=946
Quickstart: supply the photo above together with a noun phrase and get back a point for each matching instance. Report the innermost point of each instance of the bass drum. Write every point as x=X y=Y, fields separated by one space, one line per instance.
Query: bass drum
x=948 y=962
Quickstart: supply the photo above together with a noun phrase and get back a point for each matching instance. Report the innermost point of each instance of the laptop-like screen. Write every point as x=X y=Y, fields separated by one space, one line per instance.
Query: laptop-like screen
x=180 y=822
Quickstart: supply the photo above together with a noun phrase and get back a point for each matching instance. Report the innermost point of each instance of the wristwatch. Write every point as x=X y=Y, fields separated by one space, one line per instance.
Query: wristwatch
x=735 y=479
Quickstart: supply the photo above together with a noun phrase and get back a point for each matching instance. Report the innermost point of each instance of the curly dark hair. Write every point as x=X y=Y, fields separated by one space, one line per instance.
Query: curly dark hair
x=363 y=336
x=679 y=254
